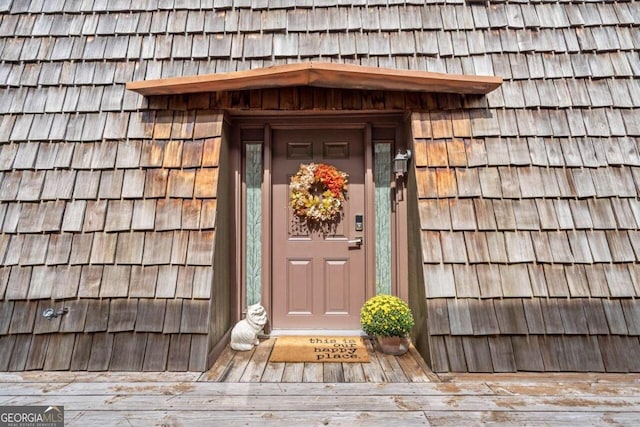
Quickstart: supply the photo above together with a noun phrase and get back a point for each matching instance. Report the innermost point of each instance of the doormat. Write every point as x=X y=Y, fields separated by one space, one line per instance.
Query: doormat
x=319 y=349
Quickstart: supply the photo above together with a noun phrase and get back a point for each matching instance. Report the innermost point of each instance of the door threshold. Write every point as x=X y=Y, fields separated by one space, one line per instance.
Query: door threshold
x=317 y=332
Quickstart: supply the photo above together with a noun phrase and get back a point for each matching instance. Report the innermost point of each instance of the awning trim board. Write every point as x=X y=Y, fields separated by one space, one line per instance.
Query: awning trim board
x=320 y=74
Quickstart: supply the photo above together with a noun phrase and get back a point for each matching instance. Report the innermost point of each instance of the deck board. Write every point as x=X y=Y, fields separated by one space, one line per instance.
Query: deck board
x=319 y=402
x=221 y=366
x=244 y=388
x=293 y=373
x=353 y=373
x=449 y=400
x=273 y=372
x=237 y=366
x=392 y=369
x=532 y=385
x=313 y=373
x=412 y=369
x=407 y=418
x=254 y=366
x=333 y=373
x=373 y=371
x=239 y=418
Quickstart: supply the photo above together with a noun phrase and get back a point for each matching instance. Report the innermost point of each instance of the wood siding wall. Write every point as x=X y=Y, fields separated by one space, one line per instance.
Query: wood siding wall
x=527 y=198
x=121 y=227
x=119 y=230
x=529 y=248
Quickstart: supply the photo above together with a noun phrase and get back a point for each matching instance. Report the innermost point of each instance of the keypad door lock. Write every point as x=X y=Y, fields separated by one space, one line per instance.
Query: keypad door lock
x=359 y=222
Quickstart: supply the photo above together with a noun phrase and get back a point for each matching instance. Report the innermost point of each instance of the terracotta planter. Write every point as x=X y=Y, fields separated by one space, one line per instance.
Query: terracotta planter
x=394 y=346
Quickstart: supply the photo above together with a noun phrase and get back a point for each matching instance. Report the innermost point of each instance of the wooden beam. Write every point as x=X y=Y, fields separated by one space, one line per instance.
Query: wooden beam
x=343 y=76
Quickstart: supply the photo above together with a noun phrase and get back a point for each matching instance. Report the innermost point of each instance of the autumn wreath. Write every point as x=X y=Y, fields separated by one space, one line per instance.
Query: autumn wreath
x=317 y=191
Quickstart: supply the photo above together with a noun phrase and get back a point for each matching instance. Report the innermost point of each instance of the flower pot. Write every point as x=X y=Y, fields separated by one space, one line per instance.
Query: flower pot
x=394 y=346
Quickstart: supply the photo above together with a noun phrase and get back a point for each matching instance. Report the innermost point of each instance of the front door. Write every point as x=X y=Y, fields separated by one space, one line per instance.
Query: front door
x=318 y=272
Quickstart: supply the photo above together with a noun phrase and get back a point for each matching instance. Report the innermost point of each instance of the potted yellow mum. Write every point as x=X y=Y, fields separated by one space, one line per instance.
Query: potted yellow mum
x=387 y=319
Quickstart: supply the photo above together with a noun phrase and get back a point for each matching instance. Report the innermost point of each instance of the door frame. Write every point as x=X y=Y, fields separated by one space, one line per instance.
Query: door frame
x=359 y=264
x=263 y=125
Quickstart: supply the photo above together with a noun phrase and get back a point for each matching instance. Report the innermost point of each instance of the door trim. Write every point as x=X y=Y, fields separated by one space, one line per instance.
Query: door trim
x=320 y=120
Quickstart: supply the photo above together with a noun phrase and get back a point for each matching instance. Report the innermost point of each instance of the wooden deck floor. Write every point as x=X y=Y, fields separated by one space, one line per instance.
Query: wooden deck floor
x=254 y=366
x=244 y=389
x=170 y=399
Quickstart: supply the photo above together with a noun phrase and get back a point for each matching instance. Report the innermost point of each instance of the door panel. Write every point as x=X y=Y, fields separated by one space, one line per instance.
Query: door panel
x=299 y=286
x=318 y=277
x=336 y=275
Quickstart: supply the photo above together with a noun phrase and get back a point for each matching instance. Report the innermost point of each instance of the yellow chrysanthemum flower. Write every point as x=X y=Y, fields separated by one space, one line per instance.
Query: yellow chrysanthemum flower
x=386 y=315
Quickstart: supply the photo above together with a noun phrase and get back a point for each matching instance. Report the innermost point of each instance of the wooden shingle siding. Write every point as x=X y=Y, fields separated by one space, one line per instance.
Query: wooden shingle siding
x=527 y=197
x=550 y=167
x=112 y=220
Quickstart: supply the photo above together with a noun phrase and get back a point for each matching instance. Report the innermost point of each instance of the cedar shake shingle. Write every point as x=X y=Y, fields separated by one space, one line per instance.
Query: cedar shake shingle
x=143 y=281
x=439 y=281
x=59 y=352
x=115 y=281
x=128 y=352
x=143 y=214
x=459 y=317
x=577 y=281
x=181 y=183
x=206 y=183
x=103 y=248
x=6 y=311
x=74 y=319
x=66 y=283
x=202 y=282
x=34 y=249
x=208 y=214
x=23 y=318
x=122 y=315
x=101 y=350
x=156 y=183
x=41 y=283
x=133 y=183
x=128 y=153
x=119 y=214
x=489 y=281
x=200 y=249
x=157 y=248
x=483 y=317
x=195 y=314
x=18 y=284
x=167 y=281
x=151 y=315
x=90 y=279
x=111 y=184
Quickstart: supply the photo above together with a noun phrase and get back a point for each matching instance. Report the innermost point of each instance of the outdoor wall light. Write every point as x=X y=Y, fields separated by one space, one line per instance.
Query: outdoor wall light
x=50 y=313
x=401 y=163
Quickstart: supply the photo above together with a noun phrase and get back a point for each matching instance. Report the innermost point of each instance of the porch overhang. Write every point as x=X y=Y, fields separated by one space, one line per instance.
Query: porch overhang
x=320 y=74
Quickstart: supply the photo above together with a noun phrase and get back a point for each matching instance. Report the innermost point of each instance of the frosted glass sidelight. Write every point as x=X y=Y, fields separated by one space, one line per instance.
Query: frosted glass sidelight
x=382 y=179
x=253 y=228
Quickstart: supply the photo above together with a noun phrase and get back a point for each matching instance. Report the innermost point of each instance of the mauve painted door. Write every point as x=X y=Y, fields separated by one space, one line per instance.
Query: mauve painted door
x=318 y=277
